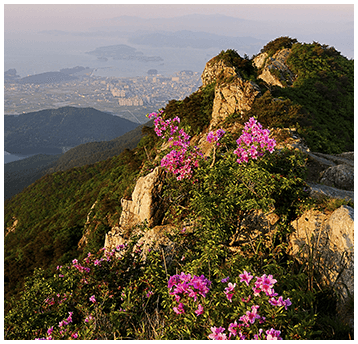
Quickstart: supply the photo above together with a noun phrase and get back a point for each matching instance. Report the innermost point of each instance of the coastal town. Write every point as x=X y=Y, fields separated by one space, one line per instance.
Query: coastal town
x=130 y=98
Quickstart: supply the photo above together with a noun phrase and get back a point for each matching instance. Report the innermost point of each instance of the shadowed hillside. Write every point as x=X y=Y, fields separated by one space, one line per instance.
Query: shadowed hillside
x=55 y=130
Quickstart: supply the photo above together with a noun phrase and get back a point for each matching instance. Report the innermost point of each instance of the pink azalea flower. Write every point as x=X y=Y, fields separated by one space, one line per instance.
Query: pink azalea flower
x=273 y=334
x=88 y=318
x=244 y=319
x=253 y=141
x=246 y=277
x=257 y=336
x=232 y=329
x=247 y=300
x=217 y=333
x=252 y=316
x=192 y=294
x=180 y=309
x=287 y=303
x=229 y=296
x=200 y=310
x=230 y=287
x=274 y=302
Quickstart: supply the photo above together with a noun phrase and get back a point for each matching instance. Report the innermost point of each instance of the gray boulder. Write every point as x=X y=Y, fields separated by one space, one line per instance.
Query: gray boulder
x=339 y=176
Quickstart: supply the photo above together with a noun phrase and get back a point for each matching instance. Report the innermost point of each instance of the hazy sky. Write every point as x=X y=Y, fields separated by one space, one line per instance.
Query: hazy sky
x=23 y=24
x=18 y=17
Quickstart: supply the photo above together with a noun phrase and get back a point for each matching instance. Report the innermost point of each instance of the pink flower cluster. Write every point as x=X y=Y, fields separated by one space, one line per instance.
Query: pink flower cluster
x=218 y=333
x=262 y=284
x=228 y=291
x=62 y=324
x=250 y=317
x=88 y=318
x=265 y=284
x=215 y=136
x=161 y=125
x=253 y=142
x=181 y=160
x=52 y=301
x=180 y=285
x=67 y=321
x=79 y=267
x=273 y=334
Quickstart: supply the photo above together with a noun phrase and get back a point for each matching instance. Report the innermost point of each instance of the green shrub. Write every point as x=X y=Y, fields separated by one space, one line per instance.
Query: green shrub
x=195 y=110
x=277 y=44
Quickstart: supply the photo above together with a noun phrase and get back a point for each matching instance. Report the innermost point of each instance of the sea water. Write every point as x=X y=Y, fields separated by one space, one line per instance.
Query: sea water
x=8 y=157
x=35 y=53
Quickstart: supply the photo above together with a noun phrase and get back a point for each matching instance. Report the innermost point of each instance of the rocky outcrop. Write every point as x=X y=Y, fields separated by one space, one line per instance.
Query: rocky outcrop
x=327 y=242
x=291 y=139
x=213 y=69
x=319 y=190
x=232 y=92
x=236 y=96
x=329 y=175
x=259 y=60
x=146 y=203
x=341 y=172
x=340 y=176
x=12 y=228
x=156 y=239
x=146 y=206
x=114 y=238
x=84 y=240
x=332 y=175
x=275 y=71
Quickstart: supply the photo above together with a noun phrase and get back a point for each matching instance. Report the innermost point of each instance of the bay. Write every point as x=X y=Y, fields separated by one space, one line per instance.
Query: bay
x=8 y=157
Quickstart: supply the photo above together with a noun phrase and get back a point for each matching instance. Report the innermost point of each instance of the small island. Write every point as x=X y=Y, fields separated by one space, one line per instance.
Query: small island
x=122 y=52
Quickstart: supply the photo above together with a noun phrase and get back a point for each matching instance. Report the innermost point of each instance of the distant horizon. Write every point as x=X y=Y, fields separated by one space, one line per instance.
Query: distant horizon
x=327 y=24
x=56 y=15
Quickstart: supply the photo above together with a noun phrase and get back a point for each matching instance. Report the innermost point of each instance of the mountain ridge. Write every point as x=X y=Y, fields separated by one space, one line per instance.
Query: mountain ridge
x=50 y=130
x=20 y=174
x=85 y=204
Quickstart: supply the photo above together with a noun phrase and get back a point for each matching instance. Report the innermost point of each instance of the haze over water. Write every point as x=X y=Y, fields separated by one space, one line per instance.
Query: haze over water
x=44 y=38
x=82 y=28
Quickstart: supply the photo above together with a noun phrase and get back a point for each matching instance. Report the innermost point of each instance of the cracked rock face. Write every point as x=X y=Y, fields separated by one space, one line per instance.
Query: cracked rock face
x=232 y=93
x=275 y=71
x=214 y=69
x=146 y=201
x=146 y=206
x=329 y=241
x=236 y=96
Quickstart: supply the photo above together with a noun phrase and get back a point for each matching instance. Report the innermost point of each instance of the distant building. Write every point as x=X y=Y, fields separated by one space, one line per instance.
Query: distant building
x=135 y=101
x=186 y=72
